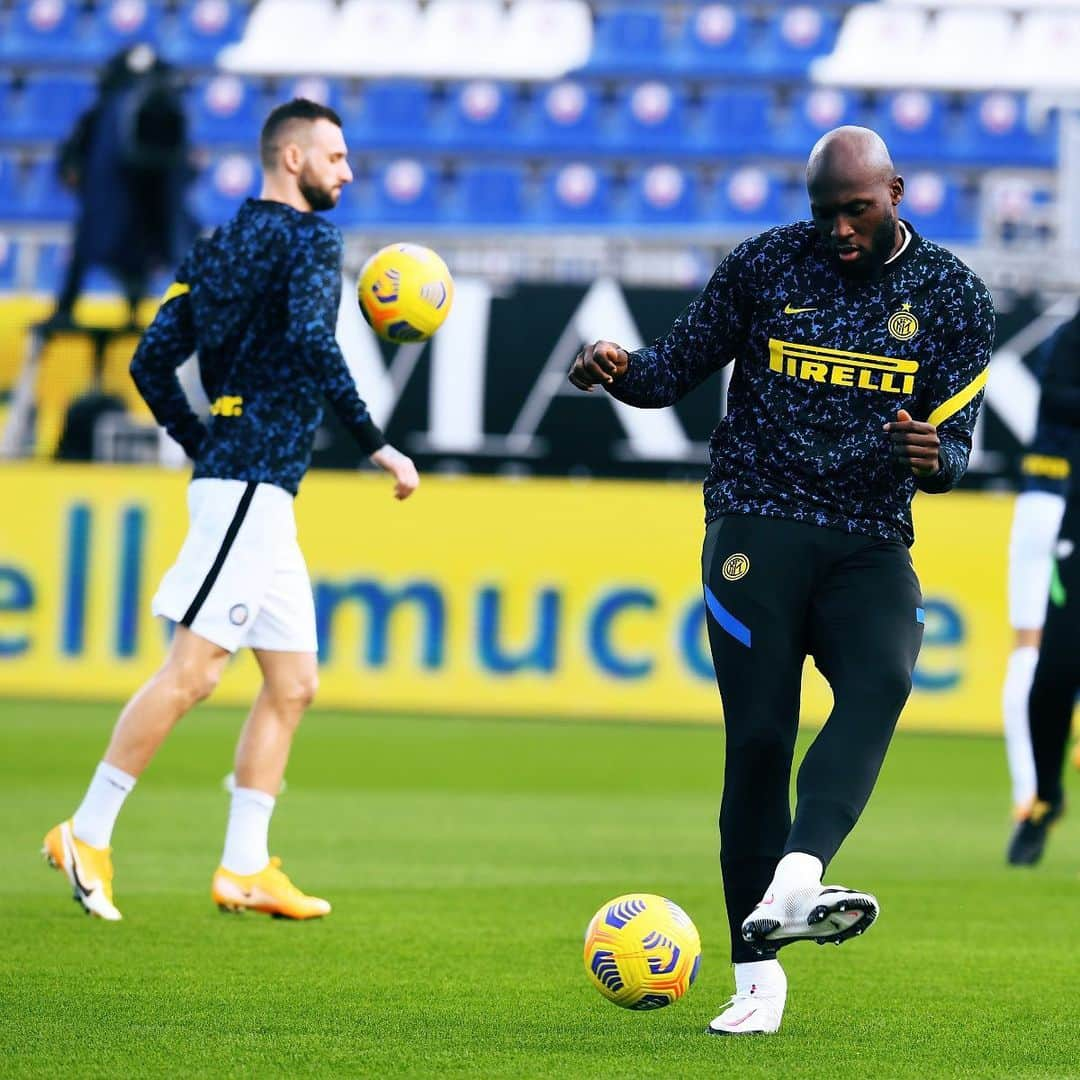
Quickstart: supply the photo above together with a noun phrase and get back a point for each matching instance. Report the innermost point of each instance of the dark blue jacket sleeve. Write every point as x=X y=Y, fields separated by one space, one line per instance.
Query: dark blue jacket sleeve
x=703 y=339
x=167 y=343
x=314 y=296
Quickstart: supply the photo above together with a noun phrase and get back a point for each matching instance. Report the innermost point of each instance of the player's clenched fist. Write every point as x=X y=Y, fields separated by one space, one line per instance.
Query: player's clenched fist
x=602 y=362
x=914 y=443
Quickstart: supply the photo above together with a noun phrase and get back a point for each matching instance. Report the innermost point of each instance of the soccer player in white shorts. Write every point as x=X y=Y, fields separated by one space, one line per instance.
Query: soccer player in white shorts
x=258 y=301
x=1036 y=520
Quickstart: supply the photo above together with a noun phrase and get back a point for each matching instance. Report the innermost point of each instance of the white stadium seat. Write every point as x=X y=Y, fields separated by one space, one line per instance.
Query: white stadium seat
x=283 y=37
x=876 y=46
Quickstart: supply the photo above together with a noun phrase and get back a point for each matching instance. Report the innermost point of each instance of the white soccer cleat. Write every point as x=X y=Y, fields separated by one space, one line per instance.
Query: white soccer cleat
x=750 y=1014
x=821 y=913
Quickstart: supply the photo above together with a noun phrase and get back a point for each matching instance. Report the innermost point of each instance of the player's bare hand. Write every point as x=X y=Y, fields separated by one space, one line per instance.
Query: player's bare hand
x=914 y=443
x=599 y=363
x=400 y=467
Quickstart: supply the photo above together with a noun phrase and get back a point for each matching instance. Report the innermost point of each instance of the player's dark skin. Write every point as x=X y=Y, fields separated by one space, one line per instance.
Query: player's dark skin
x=854 y=191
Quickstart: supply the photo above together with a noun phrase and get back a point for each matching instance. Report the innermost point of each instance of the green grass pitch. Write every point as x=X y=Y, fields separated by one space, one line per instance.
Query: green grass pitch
x=463 y=859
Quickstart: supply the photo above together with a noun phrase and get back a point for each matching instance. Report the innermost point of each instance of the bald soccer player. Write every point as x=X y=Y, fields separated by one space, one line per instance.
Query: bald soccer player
x=860 y=353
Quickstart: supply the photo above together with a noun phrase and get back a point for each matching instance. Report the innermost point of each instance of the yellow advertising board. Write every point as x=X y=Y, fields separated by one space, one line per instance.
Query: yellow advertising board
x=479 y=596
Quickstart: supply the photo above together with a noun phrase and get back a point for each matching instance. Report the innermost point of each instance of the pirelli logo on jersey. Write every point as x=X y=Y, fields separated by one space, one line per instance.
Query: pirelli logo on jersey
x=227 y=405
x=861 y=371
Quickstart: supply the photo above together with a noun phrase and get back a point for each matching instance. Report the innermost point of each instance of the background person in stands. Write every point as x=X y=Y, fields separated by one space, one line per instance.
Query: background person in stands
x=128 y=160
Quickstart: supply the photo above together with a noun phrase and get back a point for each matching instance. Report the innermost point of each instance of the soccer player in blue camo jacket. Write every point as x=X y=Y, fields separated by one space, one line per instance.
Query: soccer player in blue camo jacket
x=860 y=353
x=258 y=301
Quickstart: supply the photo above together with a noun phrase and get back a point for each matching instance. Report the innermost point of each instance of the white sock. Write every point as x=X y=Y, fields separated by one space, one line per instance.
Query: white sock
x=94 y=820
x=796 y=870
x=761 y=978
x=1019 y=673
x=247 y=846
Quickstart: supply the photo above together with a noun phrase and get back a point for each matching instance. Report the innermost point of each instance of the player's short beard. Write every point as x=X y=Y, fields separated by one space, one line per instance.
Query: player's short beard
x=881 y=248
x=319 y=198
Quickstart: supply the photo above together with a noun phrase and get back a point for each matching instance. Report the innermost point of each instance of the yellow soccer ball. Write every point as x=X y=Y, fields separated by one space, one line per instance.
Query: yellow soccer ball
x=642 y=951
x=405 y=292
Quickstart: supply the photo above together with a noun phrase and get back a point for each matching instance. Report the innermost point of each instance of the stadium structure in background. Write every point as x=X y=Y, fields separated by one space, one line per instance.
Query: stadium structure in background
x=580 y=190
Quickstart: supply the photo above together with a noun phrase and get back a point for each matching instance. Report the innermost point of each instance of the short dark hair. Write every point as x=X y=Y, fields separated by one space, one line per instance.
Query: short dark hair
x=282 y=118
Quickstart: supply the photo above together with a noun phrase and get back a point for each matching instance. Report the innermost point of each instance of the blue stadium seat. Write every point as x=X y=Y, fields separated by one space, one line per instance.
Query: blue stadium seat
x=914 y=125
x=812 y=113
x=46 y=108
x=201 y=29
x=222 y=186
x=491 y=195
x=995 y=131
x=398 y=114
x=481 y=116
x=650 y=116
x=118 y=24
x=628 y=40
x=750 y=198
x=225 y=109
x=9 y=192
x=41 y=31
x=313 y=87
x=735 y=121
x=407 y=190
x=939 y=208
x=796 y=35
x=9 y=256
x=49 y=267
x=563 y=116
x=664 y=195
x=576 y=195
x=40 y=196
x=715 y=40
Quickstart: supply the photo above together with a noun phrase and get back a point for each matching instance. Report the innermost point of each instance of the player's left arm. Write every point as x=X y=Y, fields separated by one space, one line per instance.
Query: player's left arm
x=168 y=341
x=937 y=448
x=314 y=297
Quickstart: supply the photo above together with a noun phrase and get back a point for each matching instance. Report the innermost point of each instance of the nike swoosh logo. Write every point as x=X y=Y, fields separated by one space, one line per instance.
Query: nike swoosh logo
x=75 y=874
x=789 y=310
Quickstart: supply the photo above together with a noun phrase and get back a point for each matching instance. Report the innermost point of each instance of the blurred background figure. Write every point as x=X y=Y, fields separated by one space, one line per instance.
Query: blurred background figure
x=128 y=161
x=1049 y=473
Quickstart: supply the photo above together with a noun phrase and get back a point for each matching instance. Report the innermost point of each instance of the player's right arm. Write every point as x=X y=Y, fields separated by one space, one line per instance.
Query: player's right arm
x=168 y=342
x=704 y=338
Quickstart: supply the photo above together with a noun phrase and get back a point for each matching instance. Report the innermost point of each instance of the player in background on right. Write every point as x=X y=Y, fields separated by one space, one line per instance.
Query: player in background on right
x=1056 y=677
x=1046 y=470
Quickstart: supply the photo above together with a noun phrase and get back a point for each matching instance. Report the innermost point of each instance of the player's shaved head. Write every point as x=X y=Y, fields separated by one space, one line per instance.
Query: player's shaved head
x=853 y=154
x=292 y=122
x=854 y=190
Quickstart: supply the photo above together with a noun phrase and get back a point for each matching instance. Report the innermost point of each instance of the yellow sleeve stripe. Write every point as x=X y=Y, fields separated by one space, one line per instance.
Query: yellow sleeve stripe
x=959 y=400
x=1055 y=468
x=177 y=288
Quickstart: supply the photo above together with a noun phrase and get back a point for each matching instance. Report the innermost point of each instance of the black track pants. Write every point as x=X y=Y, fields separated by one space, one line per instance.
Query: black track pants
x=777 y=591
x=1057 y=676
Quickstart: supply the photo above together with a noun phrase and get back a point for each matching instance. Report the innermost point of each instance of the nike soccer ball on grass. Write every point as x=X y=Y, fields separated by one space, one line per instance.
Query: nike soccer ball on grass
x=642 y=951
x=405 y=292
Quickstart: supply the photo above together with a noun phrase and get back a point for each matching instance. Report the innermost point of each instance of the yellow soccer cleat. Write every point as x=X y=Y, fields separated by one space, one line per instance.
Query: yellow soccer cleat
x=269 y=891
x=1076 y=753
x=89 y=870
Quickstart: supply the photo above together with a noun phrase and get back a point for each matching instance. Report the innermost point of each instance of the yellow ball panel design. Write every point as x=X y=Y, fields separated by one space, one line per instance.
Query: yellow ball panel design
x=642 y=951
x=405 y=292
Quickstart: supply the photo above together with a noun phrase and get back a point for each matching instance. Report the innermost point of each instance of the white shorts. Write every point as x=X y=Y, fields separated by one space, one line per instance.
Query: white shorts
x=1036 y=521
x=240 y=578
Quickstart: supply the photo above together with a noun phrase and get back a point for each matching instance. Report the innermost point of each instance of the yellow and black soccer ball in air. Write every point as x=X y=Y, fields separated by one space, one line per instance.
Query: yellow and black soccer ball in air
x=405 y=292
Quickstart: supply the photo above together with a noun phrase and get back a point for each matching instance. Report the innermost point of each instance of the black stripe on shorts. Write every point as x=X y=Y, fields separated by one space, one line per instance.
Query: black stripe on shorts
x=219 y=561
